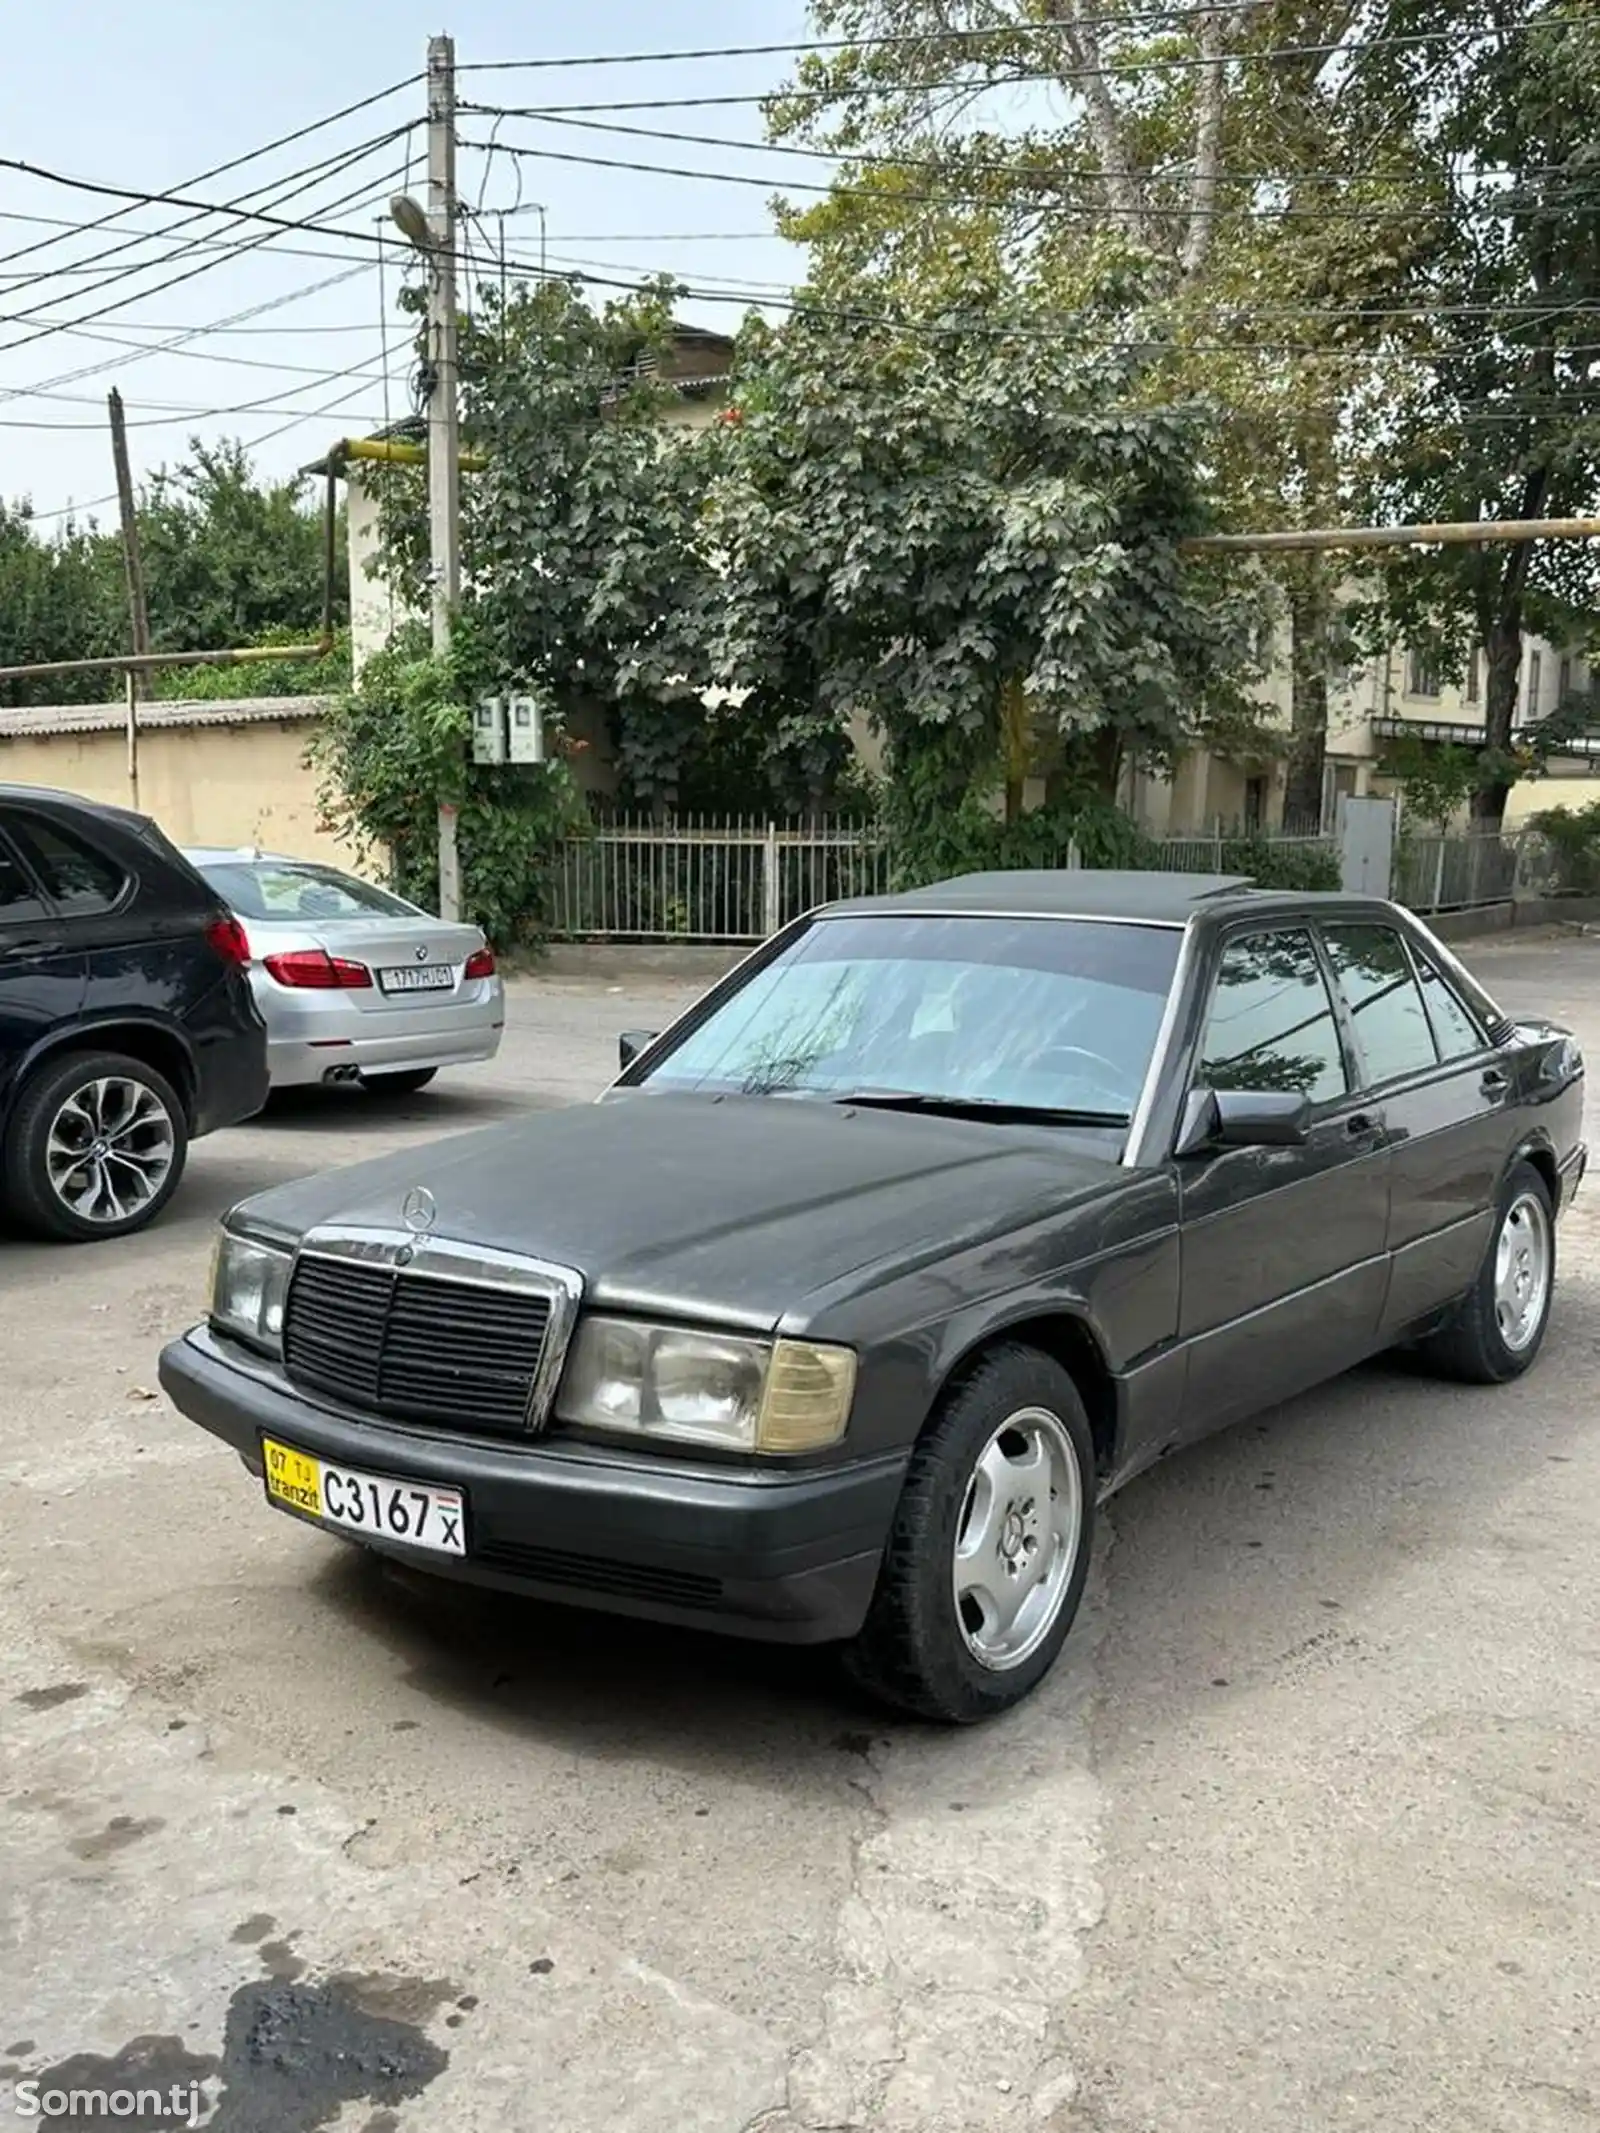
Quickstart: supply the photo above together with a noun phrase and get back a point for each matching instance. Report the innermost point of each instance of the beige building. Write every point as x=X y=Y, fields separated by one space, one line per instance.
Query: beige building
x=1379 y=700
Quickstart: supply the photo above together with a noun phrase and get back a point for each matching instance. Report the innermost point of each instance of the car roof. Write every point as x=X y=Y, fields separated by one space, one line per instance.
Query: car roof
x=75 y=803
x=1148 y=898
x=235 y=855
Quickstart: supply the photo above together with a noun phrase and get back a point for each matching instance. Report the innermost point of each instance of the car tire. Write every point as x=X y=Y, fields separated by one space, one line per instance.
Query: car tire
x=974 y=1511
x=86 y=1100
x=406 y=1083
x=1499 y=1326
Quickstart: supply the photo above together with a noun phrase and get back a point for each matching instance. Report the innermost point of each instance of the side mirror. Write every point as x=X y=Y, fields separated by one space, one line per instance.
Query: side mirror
x=632 y=1042
x=1243 y=1118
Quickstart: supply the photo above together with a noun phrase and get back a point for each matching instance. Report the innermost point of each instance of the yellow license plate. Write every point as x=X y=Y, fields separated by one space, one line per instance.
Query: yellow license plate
x=377 y=1507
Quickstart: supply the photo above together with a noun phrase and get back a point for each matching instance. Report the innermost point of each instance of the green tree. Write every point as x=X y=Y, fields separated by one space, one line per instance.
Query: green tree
x=1503 y=419
x=55 y=603
x=965 y=529
x=1218 y=147
x=229 y=557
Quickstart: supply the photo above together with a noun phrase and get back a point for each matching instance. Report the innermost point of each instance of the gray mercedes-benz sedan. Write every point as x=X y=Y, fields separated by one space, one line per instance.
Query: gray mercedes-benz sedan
x=354 y=983
x=935 y=1222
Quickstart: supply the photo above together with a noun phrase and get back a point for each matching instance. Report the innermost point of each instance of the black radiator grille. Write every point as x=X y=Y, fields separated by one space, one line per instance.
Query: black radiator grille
x=415 y=1346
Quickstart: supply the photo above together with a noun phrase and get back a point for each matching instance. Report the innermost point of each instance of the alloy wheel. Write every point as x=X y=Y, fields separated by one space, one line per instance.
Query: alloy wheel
x=1522 y=1271
x=1017 y=1539
x=110 y=1149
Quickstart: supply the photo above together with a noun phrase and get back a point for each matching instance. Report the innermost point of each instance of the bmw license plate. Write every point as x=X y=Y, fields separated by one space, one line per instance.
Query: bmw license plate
x=418 y=977
x=374 y=1506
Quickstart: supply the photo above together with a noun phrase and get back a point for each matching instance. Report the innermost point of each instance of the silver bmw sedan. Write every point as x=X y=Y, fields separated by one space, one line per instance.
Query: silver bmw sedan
x=354 y=983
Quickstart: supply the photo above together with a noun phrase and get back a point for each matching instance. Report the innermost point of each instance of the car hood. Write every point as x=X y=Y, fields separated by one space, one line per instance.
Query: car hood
x=740 y=1208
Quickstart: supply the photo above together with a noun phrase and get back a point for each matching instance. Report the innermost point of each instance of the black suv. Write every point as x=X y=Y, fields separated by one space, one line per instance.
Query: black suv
x=127 y=1024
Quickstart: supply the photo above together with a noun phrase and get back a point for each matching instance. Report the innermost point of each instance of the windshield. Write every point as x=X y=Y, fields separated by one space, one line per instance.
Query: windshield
x=291 y=889
x=1032 y=1013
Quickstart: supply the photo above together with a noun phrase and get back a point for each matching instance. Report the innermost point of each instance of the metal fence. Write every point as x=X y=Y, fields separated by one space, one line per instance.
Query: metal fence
x=1464 y=871
x=1229 y=851
x=708 y=879
x=720 y=879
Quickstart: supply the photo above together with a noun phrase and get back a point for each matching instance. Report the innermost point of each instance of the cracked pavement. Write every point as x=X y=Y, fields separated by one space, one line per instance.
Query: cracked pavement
x=1300 y=1834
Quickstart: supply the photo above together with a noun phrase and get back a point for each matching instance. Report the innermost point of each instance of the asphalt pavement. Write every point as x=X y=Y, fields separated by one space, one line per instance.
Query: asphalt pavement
x=1302 y=1833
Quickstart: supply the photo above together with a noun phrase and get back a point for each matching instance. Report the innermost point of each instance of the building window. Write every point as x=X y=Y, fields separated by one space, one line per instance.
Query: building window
x=1535 y=675
x=1563 y=682
x=1255 y=804
x=1422 y=676
x=1474 y=677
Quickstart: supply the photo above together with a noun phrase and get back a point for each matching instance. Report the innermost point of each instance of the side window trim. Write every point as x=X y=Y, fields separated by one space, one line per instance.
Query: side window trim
x=47 y=913
x=1344 y=1021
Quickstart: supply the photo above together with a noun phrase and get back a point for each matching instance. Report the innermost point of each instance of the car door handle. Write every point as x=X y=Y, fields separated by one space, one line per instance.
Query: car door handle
x=1362 y=1125
x=1495 y=1081
x=21 y=951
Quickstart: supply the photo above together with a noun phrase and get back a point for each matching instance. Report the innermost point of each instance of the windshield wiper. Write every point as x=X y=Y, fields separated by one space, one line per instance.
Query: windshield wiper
x=983 y=1107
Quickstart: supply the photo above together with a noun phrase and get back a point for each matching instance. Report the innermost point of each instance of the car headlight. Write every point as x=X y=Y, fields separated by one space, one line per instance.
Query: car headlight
x=249 y=1283
x=707 y=1388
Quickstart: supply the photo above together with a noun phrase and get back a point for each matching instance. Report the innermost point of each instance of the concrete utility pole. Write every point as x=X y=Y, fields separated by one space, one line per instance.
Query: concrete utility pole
x=444 y=431
x=135 y=681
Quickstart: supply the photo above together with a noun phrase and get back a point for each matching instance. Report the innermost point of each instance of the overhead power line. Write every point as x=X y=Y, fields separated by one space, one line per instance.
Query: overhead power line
x=1016 y=169
x=305 y=181
x=174 y=345
x=245 y=245
x=969 y=38
x=283 y=189
x=267 y=403
x=218 y=170
x=1097 y=211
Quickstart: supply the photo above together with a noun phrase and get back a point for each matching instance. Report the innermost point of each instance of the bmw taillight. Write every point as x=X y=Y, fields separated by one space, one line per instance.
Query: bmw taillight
x=314 y=970
x=230 y=940
x=480 y=964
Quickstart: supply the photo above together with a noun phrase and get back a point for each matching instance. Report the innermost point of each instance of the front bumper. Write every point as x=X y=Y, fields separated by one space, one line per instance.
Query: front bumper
x=791 y=1557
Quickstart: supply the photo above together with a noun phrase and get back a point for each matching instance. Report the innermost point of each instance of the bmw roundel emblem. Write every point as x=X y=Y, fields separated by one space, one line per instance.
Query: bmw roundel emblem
x=422 y=953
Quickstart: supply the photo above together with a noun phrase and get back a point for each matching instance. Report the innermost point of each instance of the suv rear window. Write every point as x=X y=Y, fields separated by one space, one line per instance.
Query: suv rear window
x=79 y=880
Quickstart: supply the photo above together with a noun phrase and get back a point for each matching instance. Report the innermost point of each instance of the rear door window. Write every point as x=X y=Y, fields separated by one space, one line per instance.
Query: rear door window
x=1457 y=1034
x=80 y=880
x=1385 y=1002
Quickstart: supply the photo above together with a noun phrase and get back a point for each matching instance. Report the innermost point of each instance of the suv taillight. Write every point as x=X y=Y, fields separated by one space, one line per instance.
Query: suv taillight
x=480 y=964
x=230 y=940
x=314 y=970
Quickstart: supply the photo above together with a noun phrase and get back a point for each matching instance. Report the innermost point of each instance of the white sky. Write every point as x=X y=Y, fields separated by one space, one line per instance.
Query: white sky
x=151 y=97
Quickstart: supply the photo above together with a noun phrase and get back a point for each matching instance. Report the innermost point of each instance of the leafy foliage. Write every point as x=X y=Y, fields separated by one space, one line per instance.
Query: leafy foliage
x=1501 y=418
x=55 y=603
x=1573 y=834
x=1437 y=778
x=965 y=531
x=327 y=676
x=1216 y=150
x=589 y=578
x=229 y=559
x=396 y=746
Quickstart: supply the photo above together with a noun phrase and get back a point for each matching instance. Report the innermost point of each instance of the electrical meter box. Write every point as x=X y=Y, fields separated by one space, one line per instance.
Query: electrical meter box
x=489 y=731
x=526 y=730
